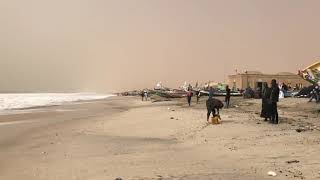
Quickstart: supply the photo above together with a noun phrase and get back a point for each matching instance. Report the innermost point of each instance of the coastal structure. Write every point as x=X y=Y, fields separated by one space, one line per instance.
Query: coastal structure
x=255 y=79
x=312 y=73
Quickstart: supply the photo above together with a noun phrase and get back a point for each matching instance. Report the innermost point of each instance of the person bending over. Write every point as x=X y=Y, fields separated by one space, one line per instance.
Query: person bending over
x=213 y=105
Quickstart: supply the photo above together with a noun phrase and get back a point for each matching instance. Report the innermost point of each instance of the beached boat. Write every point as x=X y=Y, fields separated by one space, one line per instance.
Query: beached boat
x=311 y=73
x=221 y=93
x=171 y=93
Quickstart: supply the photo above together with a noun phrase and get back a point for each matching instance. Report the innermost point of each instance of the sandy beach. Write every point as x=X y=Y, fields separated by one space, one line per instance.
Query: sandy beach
x=74 y=75
x=124 y=137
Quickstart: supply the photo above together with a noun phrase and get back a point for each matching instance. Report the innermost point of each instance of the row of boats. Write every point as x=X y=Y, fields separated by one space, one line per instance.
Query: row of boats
x=311 y=74
x=178 y=93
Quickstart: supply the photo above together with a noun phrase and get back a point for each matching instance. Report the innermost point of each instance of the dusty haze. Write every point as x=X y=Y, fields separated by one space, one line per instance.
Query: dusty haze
x=106 y=45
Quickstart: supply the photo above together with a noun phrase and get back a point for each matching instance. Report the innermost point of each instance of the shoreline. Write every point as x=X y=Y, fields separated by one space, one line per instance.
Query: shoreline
x=22 y=102
x=124 y=137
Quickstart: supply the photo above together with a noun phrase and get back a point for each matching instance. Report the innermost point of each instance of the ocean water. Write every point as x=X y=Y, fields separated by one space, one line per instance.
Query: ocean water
x=10 y=102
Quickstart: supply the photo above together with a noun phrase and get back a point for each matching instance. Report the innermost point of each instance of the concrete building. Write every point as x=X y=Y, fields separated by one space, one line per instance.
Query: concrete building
x=255 y=79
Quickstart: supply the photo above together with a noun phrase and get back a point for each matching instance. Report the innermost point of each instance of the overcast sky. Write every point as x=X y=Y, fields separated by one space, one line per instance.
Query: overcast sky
x=96 y=45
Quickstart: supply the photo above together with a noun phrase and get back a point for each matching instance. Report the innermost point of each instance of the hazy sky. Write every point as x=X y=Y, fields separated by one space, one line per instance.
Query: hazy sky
x=89 y=45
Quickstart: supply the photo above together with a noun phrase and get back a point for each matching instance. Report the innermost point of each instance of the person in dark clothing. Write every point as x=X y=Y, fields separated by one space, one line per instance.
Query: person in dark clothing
x=315 y=94
x=189 y=96
x=266 y=105
x=274 y=99
x=213 y=105
x=198 y=93
x=284 y=87
x=142 y=95
x=228 y=96
x=211 y=92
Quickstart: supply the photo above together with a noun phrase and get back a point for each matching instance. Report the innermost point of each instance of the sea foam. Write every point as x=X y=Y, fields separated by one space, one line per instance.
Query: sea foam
x=30 y=100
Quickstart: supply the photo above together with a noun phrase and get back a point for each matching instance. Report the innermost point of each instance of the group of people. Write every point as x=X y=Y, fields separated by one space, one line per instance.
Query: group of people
x=190 y=95
x=270 y=99
x=211 y=93
x=213 y=105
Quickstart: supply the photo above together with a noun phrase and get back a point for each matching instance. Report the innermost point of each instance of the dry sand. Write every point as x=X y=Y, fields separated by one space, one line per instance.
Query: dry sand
x=124 y=137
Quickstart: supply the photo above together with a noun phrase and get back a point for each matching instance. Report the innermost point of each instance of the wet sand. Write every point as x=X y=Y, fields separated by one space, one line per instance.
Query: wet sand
x=124 y=137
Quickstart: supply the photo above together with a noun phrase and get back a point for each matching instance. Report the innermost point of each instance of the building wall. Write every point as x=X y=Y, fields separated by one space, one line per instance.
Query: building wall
x=242 y=81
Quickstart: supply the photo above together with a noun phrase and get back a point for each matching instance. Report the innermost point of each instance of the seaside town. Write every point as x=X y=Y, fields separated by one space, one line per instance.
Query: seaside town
x=247 y=84
x=160 y=90
x=289 y=100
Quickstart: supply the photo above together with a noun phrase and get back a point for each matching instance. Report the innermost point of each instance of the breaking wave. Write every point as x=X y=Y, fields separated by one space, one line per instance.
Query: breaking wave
x=32 y=100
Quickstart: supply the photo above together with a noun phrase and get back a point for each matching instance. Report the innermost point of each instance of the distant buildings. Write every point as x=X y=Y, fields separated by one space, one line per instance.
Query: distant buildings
x=255 y=79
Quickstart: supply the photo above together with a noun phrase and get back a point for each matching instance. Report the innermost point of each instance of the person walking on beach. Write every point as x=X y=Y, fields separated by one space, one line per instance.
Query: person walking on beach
x=274 y=99
x=228 y=96
x=266 y=103
x=198 y=93
x=146 y=95
x=189 y=96
x=142 y=95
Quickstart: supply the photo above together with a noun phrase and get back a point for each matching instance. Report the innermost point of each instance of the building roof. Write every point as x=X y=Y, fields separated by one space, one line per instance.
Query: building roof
x=253 y=72
x=260 y=73
x=285 y=73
